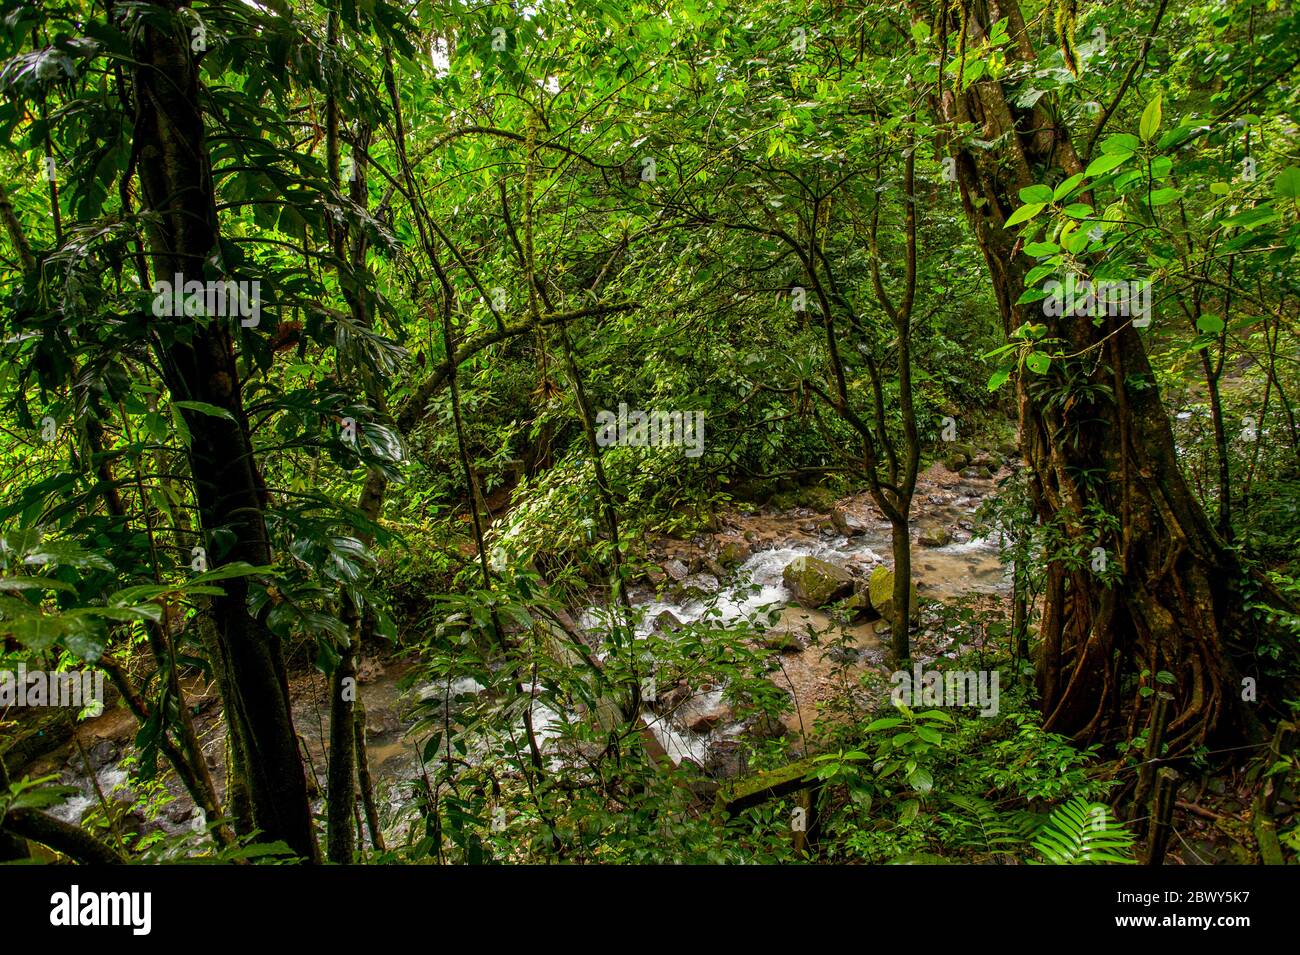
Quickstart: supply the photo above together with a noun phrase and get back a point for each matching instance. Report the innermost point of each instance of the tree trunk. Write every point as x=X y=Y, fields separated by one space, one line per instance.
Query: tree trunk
x=902 y=623
x=1174 y=603
x=198 y=362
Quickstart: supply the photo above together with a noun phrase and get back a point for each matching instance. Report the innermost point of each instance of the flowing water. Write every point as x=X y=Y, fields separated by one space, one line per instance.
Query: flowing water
x=968 y=565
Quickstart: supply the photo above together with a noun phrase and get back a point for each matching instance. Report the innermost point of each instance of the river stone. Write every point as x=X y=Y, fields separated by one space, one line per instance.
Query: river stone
x=858 y=604
x=381 y=721
x=781 y=639
x=702 y=713
x=369 y=669
x=666 y=622
x=763 y=726
x=881 y=588
x=734 y=551
x=814 y=583
x=101 y=754
x=936 y=537
x=676 y=569
x=698 y=587
x=846 y=523
x=955 y=462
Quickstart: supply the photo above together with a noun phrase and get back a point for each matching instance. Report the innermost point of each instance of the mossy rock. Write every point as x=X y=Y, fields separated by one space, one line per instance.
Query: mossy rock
x=734 y=552
x=936 y=537
x=779 y=639
x=814 y=583
x=960 y=447
x=858 y=604
x=816 y=498
x=881 y=590
x=956 y=461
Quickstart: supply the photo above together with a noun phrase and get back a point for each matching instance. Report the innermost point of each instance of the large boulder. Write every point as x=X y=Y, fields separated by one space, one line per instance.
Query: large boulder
x=814 y=583
x=881 y=590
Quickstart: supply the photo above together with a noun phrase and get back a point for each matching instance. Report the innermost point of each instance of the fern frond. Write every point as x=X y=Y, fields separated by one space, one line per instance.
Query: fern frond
x=1081 y=832
x=998 y=832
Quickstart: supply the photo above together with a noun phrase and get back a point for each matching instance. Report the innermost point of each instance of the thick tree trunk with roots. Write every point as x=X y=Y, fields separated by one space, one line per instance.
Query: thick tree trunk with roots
x=198 y=364
x=1174 y=605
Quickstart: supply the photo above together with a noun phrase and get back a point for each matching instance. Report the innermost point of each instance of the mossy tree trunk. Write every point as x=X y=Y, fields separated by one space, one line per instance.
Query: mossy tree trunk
x=1175 y=604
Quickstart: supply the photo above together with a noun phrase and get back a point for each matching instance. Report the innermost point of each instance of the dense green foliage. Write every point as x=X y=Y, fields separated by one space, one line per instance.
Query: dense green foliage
x=474 y=227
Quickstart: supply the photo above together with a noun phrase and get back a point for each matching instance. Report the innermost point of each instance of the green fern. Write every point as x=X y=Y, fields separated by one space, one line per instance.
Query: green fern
x=988 y=831
x=1081 y=832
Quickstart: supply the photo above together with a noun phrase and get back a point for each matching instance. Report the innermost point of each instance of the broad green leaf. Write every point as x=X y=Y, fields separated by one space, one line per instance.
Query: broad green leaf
x=1106 y=162
x=1038 y=362
x=1037 y=193
x=1025 y=213
x=1150 y=122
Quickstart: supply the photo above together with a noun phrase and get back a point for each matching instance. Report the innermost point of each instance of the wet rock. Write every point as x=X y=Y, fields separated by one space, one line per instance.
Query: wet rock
x=676 y=696
x=858 y=604
x=369 y=670
x=781 y=639
x=704 y=788
x=816 y=498
x=846 y=523
x=179 y=811
x=676 y=569
x=101 y=754
x=698 y=587
x=727 y=759
x=881 y=589
x=702 y=713
x=845 y=654
x=970 y=473
x=381 y=722
x=956 y=461
x=733 y=551
x=814 y=583
x=666 y=622
x=936 y=537
x=763 y=726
